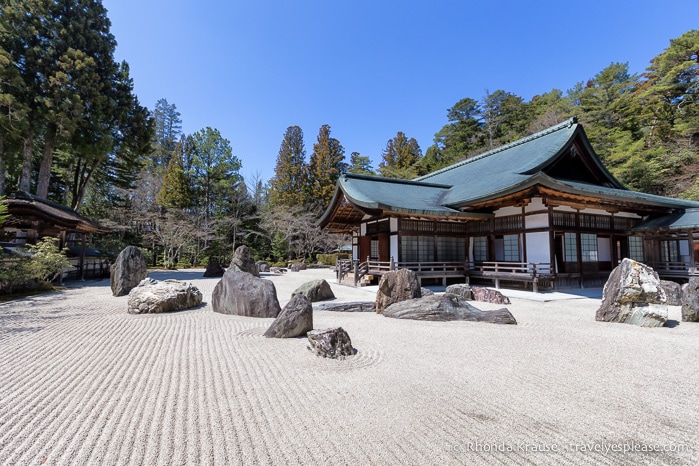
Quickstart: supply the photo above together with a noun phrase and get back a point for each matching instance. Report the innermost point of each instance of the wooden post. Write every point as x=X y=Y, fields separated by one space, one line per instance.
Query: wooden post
x=82 y=258
x=391 y=264
x=535 y=281
x=356 y=271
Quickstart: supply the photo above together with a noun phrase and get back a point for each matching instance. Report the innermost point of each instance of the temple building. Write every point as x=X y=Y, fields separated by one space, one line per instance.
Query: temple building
x=541 y=211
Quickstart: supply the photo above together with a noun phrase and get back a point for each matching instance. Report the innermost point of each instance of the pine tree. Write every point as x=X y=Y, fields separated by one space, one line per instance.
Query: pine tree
x=288 y=186
x=399 y=157
x=359 y=164
x=325 y=167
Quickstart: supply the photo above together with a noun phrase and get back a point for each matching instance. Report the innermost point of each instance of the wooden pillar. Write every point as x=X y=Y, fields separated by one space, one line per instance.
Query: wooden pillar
x=82 y=258
x=524 y=235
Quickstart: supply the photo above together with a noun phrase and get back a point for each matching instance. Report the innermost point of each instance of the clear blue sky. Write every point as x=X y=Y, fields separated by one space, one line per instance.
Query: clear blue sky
x=369 y=69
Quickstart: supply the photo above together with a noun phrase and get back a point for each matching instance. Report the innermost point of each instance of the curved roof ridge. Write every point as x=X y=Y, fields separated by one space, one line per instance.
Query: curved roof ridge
x=564 y=125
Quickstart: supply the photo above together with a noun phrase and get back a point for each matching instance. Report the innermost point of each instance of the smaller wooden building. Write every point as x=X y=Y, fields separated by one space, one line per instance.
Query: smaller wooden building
x=32 y=218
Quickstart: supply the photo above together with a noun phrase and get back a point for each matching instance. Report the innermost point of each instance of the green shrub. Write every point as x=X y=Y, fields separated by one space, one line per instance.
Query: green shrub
x=331 y=259
x=42 y=265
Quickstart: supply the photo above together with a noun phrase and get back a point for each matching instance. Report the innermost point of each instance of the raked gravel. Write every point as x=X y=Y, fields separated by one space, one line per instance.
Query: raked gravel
x=83 y=382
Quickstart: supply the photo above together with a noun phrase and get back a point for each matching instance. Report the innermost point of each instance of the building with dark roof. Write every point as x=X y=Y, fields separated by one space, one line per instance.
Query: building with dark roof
x=541 y=210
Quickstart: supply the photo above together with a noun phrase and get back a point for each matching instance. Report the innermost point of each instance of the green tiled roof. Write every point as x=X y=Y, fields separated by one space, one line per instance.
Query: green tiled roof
x=373 y=192
x=688 y=219
x=499 y=172
x=494 y=172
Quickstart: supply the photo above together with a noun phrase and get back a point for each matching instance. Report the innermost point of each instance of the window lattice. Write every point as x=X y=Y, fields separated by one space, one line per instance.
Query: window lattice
x=588 y=247
x=480 y=248
x=635 y=248
x=511 y=248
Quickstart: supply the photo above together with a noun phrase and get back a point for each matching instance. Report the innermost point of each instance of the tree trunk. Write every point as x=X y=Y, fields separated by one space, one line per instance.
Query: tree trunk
x=25 y=177
x=2 y=168
x=42 y=186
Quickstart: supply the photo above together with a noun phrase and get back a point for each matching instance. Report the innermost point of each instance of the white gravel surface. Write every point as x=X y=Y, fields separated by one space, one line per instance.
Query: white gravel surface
x=83 y=382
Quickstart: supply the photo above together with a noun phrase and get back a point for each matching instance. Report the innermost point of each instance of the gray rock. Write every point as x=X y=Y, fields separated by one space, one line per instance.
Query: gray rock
x=445 y=308
x=633 y=295
x=489 y=295
x=332 y=343
x=243 y=294
x=296 y=319
x=297 y=267
x=213 y=269
x=426 y=292
x=153 y=296
x=395 y=286
x=461 y=289
x=262 y=266
x=690 y=301
x=277 y=270
x=673 y=292
x=128 y=271
x=357 y=306
x=244 y=261
x=315 y=290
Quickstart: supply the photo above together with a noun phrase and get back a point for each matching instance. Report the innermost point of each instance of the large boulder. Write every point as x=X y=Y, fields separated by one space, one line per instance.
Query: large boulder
x=315 y=290
x=673 y=292
x=244 y=261
x=489 y=295
x=461 y=289
x=395 y=286
x=243 y=294
x=153 y=296
x=633 y=295
x=444 y=308
x=332 y=343
x=214 y=269
x=690 y=301
x=296 y=319
x=128 y=271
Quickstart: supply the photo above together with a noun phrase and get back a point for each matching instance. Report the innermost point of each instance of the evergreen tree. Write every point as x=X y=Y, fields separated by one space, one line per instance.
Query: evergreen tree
x=168 y=127
x=288 y=186
x=399 y=157
x=458 y=139
x=215 y=170
x=360 y=164
x=175 y=191
x=325 y=167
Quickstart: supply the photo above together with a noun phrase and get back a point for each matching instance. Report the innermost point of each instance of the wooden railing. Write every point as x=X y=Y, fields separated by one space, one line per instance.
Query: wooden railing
x=526 y=272
x=375 y=267
x=674 y=268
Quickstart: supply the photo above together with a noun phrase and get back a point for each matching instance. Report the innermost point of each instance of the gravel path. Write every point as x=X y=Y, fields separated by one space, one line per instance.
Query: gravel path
x=82 y=382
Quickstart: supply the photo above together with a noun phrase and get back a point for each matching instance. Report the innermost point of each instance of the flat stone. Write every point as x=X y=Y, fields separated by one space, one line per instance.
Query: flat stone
x=356 y=306
x=445 y=308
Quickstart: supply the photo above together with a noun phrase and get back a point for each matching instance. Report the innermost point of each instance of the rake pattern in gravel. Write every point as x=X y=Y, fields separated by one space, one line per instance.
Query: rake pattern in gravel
x=82 y=382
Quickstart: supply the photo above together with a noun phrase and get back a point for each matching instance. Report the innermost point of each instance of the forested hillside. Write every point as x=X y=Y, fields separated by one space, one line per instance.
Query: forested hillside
x=73 y=131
